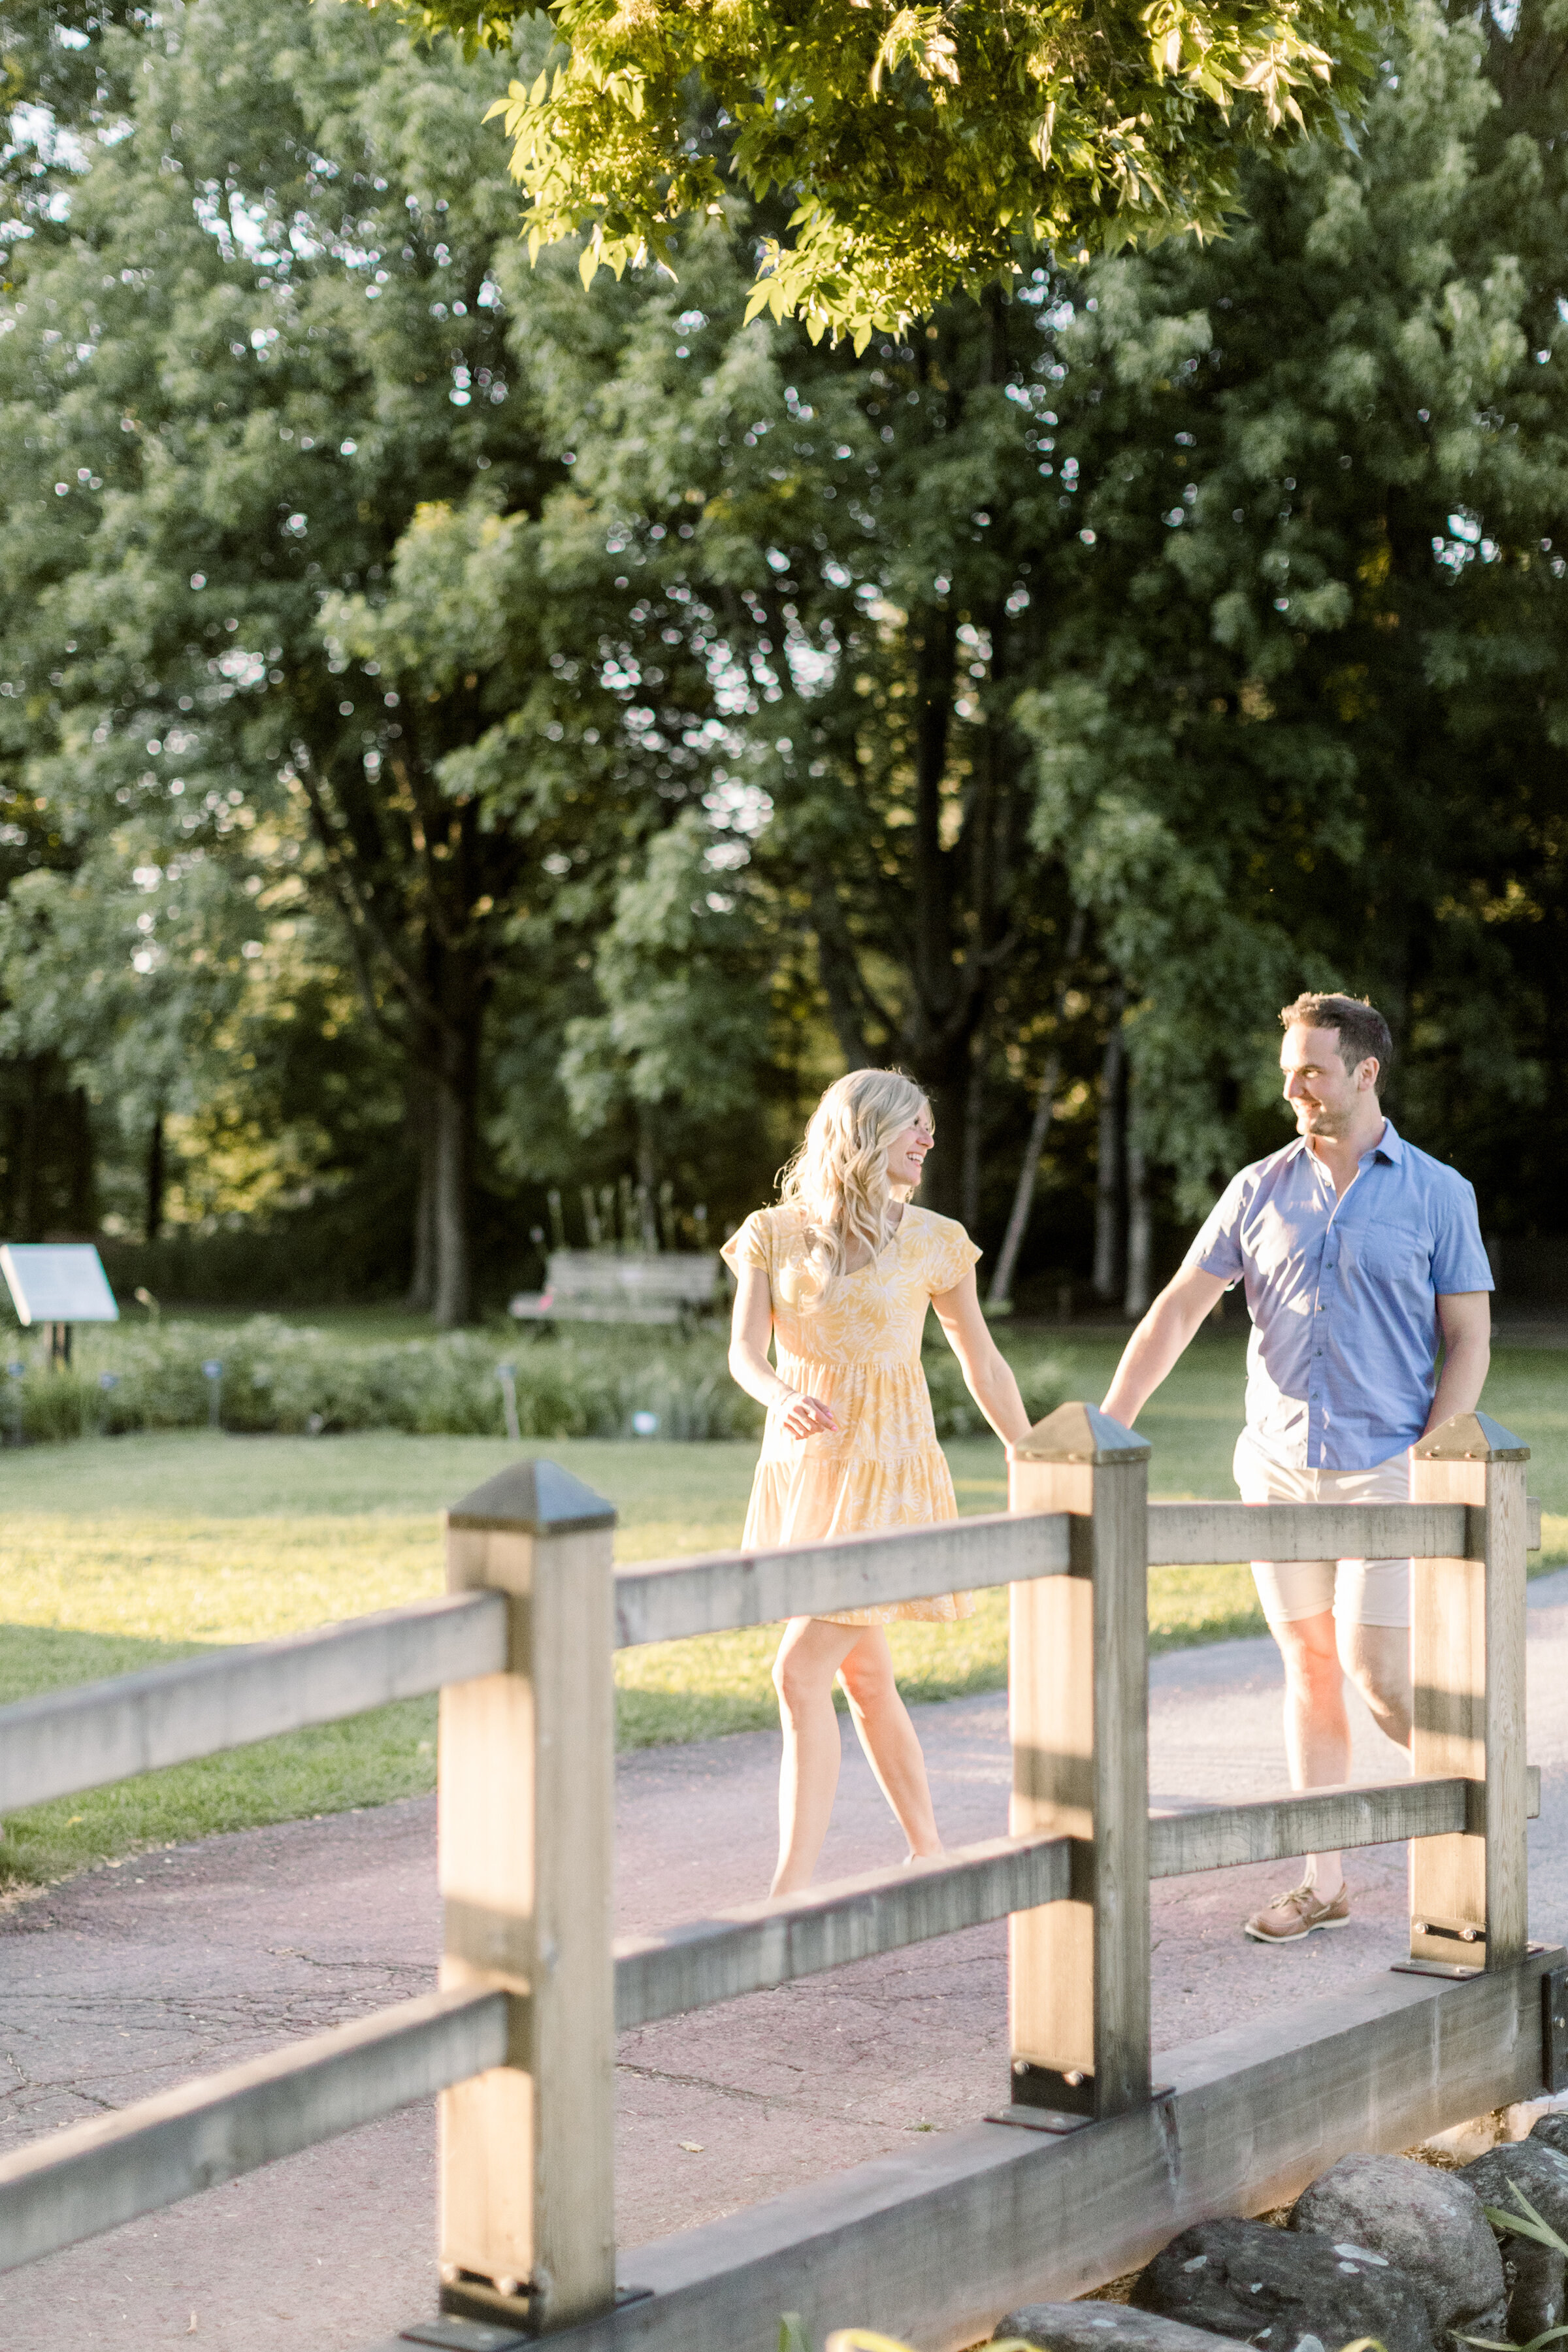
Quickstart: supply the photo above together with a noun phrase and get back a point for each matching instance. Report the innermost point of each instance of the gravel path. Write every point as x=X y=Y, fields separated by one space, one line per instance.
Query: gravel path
x=130 y=1978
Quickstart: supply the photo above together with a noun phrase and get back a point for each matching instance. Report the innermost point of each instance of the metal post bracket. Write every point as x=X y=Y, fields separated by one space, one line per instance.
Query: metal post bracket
x=1554 y=2028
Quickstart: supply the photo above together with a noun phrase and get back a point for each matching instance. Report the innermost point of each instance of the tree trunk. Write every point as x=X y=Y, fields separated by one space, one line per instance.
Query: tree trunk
x=421 y=1295
x=1024 y=1193
x=839 y=972
x=24 y=1197
x=1108 y=1177
x=941 y=1059
x=153 y=1221
x=1040 y=1127
x=973 y=1125
x=1135 y=1299
x=942 y=1188
x=80 y=1171
x=452 y=1103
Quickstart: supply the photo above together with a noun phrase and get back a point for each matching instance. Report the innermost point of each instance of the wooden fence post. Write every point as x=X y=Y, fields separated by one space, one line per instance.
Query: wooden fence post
x=1079 y=1710
x=1469 y=1896
x=526 y=1819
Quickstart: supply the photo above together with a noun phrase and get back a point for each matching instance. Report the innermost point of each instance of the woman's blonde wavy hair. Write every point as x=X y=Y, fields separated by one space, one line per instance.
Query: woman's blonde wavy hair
x=839 y=1175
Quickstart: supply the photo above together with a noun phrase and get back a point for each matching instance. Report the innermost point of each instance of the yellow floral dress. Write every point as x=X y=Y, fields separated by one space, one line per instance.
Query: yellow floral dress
x=858 y=1352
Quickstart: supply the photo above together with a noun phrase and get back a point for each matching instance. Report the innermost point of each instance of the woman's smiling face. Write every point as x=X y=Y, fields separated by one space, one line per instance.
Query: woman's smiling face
x=907 y=1153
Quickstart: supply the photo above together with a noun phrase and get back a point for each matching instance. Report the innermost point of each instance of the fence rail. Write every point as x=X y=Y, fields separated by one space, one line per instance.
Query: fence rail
x=62 y=1741
x=668 y=1600
x=519 y=2041
x=1198 y=1535
x=92 y=2176
x=97 y=2175
x=65 y=1742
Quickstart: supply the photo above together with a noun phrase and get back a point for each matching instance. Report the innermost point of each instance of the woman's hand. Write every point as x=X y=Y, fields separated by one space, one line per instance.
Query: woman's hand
x=806 y=1416
x=799 y=1415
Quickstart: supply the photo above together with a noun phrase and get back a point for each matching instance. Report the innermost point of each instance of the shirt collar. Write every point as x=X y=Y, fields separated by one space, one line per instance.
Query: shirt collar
x=1390 y=1146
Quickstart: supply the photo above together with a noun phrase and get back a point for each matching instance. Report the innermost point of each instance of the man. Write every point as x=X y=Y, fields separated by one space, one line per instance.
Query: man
x=1358 y=1255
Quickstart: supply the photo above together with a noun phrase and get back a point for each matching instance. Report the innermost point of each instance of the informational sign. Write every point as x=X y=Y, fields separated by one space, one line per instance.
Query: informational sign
x=58 y=1282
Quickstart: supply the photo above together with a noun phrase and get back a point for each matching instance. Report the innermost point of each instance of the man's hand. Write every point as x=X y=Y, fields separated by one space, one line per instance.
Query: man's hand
x=1465 y=1319
x=1159 y=1341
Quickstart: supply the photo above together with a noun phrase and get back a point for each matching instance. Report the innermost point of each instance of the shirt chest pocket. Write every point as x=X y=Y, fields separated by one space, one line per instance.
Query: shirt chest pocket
x=1392 y=1254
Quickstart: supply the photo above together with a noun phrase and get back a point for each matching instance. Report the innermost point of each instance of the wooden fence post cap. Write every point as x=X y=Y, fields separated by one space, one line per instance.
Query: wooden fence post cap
x=1471 y=1437
x=536 y=1498
x=1081 y=1433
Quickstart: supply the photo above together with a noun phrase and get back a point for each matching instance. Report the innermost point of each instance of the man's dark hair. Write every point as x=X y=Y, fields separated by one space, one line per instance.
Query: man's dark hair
x=1361 y=1027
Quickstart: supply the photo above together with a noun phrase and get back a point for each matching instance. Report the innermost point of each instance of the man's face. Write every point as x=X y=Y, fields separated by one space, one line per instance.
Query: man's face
x=1325 y=1096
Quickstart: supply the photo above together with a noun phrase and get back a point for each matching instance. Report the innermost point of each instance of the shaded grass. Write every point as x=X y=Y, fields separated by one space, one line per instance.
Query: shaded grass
x=368 y=1760
x=129 y=1552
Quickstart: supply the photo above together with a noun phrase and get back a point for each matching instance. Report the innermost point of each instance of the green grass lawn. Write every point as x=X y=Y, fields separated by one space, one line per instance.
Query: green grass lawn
x=121 y=1553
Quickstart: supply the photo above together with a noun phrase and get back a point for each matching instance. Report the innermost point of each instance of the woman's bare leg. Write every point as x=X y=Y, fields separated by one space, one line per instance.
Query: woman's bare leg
x=809 y=1655
x=889 y=1739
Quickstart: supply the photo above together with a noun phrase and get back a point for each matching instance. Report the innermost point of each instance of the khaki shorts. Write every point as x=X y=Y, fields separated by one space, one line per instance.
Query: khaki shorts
x=1358 y=1591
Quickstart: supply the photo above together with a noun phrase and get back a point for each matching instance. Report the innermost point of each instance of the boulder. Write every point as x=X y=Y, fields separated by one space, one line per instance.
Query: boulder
x=1533 y=2274
x=1551 y=2130
x=1533 y=2283
x=1284 y=2290
x=1540 y=2171
x=1423 y=2221
x=1103 y=2328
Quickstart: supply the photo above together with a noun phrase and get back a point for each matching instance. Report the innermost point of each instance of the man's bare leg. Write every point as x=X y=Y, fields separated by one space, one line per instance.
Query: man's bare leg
x=1316 y=1728
x=1377 y=1660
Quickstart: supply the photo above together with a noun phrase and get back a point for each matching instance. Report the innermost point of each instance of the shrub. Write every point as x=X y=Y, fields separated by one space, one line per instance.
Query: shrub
x=288 y=1378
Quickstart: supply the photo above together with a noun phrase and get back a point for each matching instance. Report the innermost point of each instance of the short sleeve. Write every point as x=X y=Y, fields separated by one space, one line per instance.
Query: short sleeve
x=951 y=1255
x=1216 y=1246
x=750 y=1246
x=1459 y=1261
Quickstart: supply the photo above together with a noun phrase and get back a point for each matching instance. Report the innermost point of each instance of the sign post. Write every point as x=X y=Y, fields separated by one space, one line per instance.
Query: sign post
x=58 y=1284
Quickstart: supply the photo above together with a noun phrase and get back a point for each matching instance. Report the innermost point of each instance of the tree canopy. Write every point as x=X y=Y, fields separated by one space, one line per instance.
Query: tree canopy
x=467 y=737
x=915 y=149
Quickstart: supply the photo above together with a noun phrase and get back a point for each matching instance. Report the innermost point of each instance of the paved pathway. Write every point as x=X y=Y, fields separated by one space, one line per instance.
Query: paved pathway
x=130 y=1979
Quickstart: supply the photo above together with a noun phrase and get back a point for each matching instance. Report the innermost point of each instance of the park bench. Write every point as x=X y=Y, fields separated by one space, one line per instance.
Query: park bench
x=1089 y=2164
x=607 y=1287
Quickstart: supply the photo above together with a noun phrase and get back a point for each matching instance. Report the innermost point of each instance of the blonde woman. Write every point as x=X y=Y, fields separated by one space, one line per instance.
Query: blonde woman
x=839 y=1275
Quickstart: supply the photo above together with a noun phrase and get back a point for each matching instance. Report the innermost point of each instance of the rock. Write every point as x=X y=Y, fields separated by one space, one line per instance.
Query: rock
x=1551 y=2130
x=1533 y=2274
x=1284 y=2290
x=1540 y=2171
x=1490 y=2326
x=1089 y=2326
x=1533 y=2281
x=1425 y=2222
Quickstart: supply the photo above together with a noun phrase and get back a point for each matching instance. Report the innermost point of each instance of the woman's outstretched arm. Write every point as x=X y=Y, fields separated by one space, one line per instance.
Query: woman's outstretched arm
x=751 y=1326
x=986 y=1372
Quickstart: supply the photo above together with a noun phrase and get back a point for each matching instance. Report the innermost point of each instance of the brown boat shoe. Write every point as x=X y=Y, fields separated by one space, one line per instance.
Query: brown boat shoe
x=1296 y=1914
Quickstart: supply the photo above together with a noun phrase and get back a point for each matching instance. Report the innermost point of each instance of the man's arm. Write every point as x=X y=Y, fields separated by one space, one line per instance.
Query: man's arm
x=1160 y=1339
x=1465 y=1319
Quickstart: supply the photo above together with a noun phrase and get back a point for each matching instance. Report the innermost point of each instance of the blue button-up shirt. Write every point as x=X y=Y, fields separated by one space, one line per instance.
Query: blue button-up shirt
x=1342 y=1362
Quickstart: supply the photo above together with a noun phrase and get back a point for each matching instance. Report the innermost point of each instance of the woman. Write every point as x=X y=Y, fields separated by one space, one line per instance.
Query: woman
x=840 y=1274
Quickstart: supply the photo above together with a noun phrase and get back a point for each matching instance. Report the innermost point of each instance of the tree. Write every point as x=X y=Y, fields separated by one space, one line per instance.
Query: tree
x=922 y=148
x=1307 y=699
x=854 y=549
x=606 y=718
x=278 y=480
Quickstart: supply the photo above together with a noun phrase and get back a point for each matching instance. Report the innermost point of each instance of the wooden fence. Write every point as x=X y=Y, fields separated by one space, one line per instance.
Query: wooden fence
x=520 y=2038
